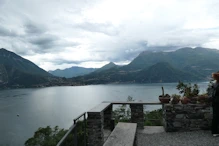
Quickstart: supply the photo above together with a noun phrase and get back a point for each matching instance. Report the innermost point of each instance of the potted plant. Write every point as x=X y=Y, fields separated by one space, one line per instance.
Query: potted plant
x=185 y=100
x=164 y=98
x=175 y=99
x=188 y=90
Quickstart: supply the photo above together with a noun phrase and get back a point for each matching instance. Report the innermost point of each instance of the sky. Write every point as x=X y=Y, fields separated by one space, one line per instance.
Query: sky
x=57 y=34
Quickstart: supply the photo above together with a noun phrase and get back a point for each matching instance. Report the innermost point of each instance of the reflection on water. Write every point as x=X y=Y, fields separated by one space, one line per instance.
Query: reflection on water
x=59 y=105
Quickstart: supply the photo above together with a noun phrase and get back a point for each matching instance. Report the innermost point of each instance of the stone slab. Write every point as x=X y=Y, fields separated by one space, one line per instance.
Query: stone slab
x=122 y=135
x=99 y=108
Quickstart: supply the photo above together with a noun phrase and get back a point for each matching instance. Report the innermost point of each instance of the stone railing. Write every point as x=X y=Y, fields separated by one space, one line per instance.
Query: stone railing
x=176 y=117
x=186 y=117
x=99 y=119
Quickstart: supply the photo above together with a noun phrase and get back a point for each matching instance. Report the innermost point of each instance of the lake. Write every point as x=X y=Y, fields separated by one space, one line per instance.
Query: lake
x=53 y=106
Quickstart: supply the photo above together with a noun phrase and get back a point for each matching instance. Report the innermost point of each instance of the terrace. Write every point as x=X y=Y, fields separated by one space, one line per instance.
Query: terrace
x=183 y=124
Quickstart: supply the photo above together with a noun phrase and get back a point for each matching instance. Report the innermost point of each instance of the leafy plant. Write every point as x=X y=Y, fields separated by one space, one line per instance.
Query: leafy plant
x=175 y=98
x=188 y=90
x=123 y=113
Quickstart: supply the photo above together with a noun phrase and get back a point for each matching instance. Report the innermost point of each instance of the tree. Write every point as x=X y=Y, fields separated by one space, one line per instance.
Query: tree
x=46 y=136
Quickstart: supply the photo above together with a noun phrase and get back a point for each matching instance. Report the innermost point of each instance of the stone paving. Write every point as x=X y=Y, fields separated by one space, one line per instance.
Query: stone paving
x=156 y=136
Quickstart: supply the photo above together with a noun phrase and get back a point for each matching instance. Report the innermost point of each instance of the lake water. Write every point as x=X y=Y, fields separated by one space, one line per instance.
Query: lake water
x=53 y=106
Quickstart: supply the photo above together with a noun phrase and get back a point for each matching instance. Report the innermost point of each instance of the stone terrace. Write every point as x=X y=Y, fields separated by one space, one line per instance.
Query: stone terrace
x=156 y=136
x=184 y=125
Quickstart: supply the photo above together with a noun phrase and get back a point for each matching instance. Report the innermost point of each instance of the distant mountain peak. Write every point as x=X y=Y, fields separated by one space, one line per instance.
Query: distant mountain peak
x=111 y=63
x=106 y=67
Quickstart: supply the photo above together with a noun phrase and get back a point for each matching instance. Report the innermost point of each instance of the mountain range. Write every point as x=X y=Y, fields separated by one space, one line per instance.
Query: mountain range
x=185 y=64
x=72 y=72
x=75 y=71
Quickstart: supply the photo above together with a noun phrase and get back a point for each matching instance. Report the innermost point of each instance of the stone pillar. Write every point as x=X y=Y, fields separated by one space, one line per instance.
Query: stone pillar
x=95 y=124
x=108 y=117
x=137 y=115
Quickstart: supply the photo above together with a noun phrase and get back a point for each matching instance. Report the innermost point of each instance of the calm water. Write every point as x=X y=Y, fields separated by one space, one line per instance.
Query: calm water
x=59 y=105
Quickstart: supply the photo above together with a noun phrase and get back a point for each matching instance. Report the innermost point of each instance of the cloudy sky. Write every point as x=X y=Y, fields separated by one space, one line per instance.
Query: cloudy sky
x=90 y=33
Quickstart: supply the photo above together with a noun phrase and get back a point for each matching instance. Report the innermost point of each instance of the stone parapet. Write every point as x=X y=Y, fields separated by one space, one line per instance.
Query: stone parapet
x=187 y=117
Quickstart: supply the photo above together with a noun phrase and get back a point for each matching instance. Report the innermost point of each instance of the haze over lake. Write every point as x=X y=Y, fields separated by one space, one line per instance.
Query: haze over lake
x=53 y=106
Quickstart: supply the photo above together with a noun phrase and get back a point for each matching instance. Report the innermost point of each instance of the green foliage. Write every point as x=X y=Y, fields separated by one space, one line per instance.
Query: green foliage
x=188 y=90
x=123 y=113
x=51 y=136
x=80 y=136
x=46 y=136
x=175 y=96
x=153 y=118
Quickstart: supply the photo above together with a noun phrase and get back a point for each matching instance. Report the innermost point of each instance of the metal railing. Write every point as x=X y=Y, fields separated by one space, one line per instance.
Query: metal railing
x=73 y=130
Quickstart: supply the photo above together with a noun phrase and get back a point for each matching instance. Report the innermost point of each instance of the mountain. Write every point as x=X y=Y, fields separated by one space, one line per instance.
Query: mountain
x=185 y=64
x=72 y=72
x=106 y=67
x=16 y=71
x=164 y=72
x=201 y=60
x=15 y=61
x=159 y=72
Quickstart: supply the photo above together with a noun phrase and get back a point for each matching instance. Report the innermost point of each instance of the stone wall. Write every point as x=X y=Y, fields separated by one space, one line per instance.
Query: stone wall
x=187 y=117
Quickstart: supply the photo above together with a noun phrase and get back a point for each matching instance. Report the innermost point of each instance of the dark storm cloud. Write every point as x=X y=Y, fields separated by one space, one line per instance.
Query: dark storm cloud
x=49 y=43
x=33 y=28
x=46 y=41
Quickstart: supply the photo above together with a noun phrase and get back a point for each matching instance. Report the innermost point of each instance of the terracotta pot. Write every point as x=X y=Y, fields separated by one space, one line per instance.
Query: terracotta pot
x=185 y=100
x=193 y=100
x=164 y=99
